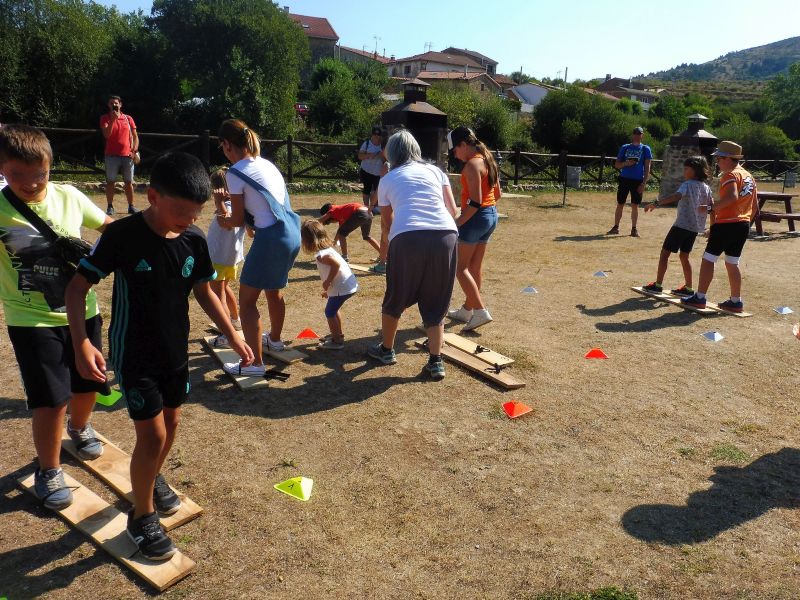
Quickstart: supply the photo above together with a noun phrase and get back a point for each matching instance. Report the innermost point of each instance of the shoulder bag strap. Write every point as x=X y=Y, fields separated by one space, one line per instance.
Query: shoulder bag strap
x=27 y=212
x=277 y=209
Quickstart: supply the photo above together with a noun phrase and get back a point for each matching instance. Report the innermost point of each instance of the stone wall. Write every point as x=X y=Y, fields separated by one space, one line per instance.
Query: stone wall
x=672 y=168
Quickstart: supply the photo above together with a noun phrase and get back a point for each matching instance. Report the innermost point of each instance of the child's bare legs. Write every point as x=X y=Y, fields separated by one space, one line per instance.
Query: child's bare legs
x=219 y=287
x=634 y=215
x=663 y=261
x=151 y=440
x=230 y=302
x=335 y=325
x=687 y=269
x=47 y=424
x=706 y=275
x=251 y=320
x=277 y=313
x=735 y=279
x=466 y=279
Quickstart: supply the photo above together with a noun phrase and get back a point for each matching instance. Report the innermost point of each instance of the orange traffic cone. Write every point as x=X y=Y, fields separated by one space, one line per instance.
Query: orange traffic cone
x=516 y=409
x=595 y=353
x=308 y=334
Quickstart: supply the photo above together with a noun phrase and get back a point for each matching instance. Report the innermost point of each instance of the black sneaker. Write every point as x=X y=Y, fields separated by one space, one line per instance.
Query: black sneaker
x=165 y=499
x=653 y=287
x=694 y=301
x=732 y=306
x=147 y=534
x=132 y=210
x=613 y=231
x=683 y=291
x=435 y=369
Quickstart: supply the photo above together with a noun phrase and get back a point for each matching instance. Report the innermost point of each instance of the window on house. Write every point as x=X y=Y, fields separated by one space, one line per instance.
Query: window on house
x=407 y=70
x=483 y=87
x=423 y=66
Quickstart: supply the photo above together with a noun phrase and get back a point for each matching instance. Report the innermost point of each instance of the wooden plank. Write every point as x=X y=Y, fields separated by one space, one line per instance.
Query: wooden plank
x=363 y=269
x=114 y=468
x=490 y=357
x=710 y=309
x=106 y=525
x=288 y=356
x=474 y=364
x=224 y=355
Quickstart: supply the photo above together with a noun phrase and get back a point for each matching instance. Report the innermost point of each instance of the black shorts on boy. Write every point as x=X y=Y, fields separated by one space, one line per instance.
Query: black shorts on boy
x=627 y=186
x=148 y=336
x=728 y=238
x=679 y=240
x=47 y=363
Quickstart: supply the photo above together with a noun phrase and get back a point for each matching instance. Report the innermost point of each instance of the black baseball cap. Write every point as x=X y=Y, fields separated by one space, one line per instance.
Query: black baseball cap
x=376 y=130
x=638 y=130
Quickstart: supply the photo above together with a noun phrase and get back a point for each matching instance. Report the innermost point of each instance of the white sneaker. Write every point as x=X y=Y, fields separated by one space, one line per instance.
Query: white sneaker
x=480 y=316
x=331 y=344
x=237 y=369
x=460 y=314
x=220 y=342
x=278 y=346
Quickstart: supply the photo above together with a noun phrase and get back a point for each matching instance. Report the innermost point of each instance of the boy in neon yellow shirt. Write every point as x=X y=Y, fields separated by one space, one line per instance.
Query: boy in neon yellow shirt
x=35 y=313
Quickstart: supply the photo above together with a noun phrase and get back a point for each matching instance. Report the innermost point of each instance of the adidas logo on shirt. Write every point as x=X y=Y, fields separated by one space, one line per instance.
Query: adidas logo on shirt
x=143 y=266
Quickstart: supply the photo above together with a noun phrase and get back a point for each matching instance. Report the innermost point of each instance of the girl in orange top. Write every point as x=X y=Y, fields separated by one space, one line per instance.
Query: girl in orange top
x=480 y=190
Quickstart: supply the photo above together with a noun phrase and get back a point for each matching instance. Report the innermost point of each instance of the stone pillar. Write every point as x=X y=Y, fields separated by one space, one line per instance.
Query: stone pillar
x=692 y=142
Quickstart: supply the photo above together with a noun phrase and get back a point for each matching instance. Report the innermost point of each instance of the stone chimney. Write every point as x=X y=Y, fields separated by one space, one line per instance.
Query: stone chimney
x=692 y=142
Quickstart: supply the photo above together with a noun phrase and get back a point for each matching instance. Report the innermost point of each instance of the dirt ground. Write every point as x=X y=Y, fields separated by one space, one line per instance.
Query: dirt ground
x=671 y=470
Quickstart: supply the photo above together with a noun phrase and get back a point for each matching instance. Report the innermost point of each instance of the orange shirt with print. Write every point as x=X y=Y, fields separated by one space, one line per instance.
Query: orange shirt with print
x=742 y=209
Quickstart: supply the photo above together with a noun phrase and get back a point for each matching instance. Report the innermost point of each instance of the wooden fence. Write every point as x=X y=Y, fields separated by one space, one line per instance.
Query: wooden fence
x=80 y=152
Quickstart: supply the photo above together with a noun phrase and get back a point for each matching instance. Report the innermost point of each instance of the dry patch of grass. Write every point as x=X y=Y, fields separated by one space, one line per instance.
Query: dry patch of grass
x=668 y=471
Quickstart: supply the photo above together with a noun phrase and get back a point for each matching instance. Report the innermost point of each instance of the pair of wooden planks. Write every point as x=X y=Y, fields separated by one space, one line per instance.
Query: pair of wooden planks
x=710 y=309
x=478 y=359
x=106 y=525
x=288 y=356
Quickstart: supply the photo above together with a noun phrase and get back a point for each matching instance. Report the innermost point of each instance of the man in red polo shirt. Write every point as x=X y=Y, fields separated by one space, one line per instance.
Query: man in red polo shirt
x=349 y=217
x=122 y=142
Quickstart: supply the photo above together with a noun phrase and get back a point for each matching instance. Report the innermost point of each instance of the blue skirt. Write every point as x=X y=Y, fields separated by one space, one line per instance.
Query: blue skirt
x=271 y=257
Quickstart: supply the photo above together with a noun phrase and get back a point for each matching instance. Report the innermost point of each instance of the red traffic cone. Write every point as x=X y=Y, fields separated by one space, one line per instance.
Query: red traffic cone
x=595 y=353
x=516 y=409
x=308 y=334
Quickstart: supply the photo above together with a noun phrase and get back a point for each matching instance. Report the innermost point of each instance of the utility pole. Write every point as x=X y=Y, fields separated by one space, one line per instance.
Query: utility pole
x=376 y=38
x=566 y=69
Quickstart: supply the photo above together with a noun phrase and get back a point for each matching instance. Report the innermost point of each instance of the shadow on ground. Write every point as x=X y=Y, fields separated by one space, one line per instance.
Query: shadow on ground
x=340 y=385
x=738 y=495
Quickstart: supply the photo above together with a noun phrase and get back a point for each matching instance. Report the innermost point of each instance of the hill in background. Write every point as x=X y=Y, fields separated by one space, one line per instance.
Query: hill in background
x=754 y=64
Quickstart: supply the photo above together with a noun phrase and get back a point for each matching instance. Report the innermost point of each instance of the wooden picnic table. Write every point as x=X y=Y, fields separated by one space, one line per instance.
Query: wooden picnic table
x=773 y=217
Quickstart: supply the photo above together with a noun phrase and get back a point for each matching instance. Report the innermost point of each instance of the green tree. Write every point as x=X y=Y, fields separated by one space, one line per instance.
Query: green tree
x=493 y=124
x=759 y=140
x=783 y=97
x=243 y=57
x=579 y=122
x=51 y=52
x=458 y=102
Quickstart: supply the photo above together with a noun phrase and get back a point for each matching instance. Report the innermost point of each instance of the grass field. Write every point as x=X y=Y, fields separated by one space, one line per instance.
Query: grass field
x=671 y=470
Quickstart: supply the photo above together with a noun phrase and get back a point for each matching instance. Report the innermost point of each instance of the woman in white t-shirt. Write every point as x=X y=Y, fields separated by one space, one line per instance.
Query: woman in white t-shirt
x=259 y=198
x=418 y=224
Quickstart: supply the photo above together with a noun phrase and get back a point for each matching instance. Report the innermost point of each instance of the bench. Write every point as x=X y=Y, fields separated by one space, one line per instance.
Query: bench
x=775 y=217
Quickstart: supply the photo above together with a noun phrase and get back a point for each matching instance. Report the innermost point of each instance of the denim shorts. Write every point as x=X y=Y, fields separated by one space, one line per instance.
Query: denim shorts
x=480 y=226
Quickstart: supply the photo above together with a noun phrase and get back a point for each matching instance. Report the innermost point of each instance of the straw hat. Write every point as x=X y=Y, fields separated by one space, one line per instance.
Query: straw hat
x=729 y=149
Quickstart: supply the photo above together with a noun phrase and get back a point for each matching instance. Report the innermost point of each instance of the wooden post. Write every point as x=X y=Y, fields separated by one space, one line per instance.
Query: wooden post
x=562 y=165
x=600 y=174
x=289 y=156
x=205 y=148
x=516 y=166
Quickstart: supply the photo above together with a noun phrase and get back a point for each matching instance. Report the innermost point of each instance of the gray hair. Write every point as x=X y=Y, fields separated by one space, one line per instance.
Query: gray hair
x=402 y=148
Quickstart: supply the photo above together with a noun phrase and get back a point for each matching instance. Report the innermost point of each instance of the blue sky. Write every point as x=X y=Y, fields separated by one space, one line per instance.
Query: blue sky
x=591 y=38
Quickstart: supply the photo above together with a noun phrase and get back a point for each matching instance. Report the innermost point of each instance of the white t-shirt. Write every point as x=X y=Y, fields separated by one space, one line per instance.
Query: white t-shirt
x=344 y=282
x=265 y=173
x=372 y=166
x=414 y=191
x=694 y=194
x=225 y=246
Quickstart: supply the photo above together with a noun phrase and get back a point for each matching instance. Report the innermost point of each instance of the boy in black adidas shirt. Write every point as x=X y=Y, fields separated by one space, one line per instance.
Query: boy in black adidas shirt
x=157 y=256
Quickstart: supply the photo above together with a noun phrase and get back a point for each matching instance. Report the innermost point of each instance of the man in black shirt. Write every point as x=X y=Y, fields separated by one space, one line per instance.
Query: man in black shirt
x=157 y=256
